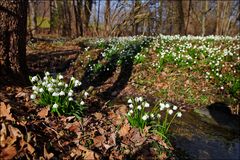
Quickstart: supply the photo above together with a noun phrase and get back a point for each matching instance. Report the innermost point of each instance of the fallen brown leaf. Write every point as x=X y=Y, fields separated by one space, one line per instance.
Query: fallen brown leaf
x=5 y=111
x=98 y=115
x=115 y=118
x=46 y=154
x=14 y=134
x=43 y=113
x=8 y=153
x=98 y=140
x=124 y=130
x=122 y=109
x=89 y=154
x=21 y=94
x=3 y=134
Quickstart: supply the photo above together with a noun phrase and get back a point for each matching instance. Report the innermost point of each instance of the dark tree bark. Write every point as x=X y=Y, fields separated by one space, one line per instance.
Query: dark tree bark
x=13 y=31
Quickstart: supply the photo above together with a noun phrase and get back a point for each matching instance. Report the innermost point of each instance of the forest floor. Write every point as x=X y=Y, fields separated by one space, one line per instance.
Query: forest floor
x=30 y=131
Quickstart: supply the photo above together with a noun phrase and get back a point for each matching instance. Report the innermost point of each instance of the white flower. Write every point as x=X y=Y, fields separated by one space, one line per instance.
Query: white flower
x=70 y=98
x=33 y=96
x=170 y=111
x=129 y=100
x=60 y=77
x=49 y=85
x=146 y=105
x=60 y=84
x=139 y=107
x=44 y=83
x=138 y=99
x=55 y=105
x=62 y=93
x=167 y=105
x=82 y=103
x=55 y=94
x=86 y=94
x=66 y=85
x=50 y=89
x=152 y=115
x=53 y=80
x=70 y=93
x=35 y=78
x=72 y=79
x=45 y=78
x=77 y=83
x=47 y=73
x=131 y=111
x=130 y=105
x=162 y=106
x=222 y=88
x=179 y=114
x=175 y=107
x=159 y=115
x=145 y=117
x=41 y=90
x=35 y=88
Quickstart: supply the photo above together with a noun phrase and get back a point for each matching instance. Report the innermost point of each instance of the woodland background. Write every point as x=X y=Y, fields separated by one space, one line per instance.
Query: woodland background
x=73 y=18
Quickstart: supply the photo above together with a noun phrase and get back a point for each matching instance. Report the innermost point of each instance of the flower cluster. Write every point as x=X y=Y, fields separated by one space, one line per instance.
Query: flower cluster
x=140 y=115
x=137 y=116
x=58 y=94
x=217 y=57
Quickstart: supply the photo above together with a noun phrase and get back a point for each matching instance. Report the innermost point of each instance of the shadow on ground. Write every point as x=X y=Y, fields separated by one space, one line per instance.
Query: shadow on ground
x=54 y=62
x=222 y=114
x=90 y=78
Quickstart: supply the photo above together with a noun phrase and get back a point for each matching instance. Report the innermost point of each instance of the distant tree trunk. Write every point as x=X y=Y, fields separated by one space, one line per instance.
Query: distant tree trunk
x=219 y=3
x=87 y=13
x=13 y=31
x=32 y=17
x=188 y=15
x=136 y=8
x=98 y=15
x=107 y=16
x=160 y=10
x=78 y=16
x=66 y=30
x=52 y=15
x=180 y=17
x=205 y=10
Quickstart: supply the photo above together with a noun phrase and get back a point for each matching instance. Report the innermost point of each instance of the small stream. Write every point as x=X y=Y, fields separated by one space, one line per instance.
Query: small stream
x=208 y=133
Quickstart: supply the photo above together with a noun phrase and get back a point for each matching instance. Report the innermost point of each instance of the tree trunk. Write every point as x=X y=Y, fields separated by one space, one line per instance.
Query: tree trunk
x=52 y=16
x=13 y=31
x=78 y=16
x=180 y=17
x=66 y=30
x=107 y=16
x=160 y=10
x=33 y=17
x=188 y=16
x=87 y=13
x=204 y=14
